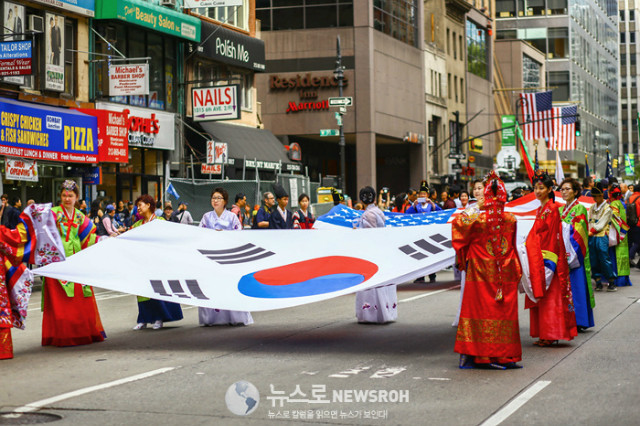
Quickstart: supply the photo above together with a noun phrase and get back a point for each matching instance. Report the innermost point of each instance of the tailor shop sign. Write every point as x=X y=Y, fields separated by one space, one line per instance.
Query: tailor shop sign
x=230 y=47
x=45 y=134
x=147 y=128
x=308 y=86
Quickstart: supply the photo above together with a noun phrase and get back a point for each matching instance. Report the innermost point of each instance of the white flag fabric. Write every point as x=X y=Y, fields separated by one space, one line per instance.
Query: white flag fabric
x=258 y=270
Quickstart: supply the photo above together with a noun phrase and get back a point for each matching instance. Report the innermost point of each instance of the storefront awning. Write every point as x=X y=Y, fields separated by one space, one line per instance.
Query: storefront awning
x=150 y=16
x=259 y=147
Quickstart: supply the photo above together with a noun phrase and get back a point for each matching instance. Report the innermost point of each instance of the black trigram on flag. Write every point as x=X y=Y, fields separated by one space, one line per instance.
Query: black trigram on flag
x=242 y=254
x=176 y=288
x=422 y=249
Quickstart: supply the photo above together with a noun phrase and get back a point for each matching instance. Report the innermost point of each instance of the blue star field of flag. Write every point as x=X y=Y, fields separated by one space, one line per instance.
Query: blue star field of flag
x=342 y=215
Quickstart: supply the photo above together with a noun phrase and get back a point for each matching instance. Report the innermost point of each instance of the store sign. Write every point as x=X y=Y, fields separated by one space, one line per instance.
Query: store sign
x=307 y=81
x=14 y=23
x=42 y=133
x=150 y=16
x=15 y=58
x=230 y=47
x=308 y=106
x=509 y=133
x=217 y=152
x=54 y=52
x=215 y=103
x=211 y=169
x=272 y=165
x=21 y=169
x=146 y=128
x=128 y=80
x=81 y=7
x=192 y=4
x=113 y=135
x=92 y=176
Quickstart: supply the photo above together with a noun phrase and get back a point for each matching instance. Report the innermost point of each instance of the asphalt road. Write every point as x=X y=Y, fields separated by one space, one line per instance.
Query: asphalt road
x=311 y=358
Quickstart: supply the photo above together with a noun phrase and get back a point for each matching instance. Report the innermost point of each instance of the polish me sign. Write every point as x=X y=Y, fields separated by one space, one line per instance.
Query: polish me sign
x=216 y=103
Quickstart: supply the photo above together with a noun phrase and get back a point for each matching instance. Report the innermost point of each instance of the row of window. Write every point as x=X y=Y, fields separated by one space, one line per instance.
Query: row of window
x=632 y=15
x=477 y=51
x=277 y=15
x=451 y=41
x=523 y=8
x=632 y=37
x=397 y=18
x=455 y=89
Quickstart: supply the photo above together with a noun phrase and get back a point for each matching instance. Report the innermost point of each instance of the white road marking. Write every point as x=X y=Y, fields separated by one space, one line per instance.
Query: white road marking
x=502 y=414
x=387 y=372
x=44 y=402
x=350 y=372
x=638 y=301
x=431 y=293
x=310 y=373
x=439 y=378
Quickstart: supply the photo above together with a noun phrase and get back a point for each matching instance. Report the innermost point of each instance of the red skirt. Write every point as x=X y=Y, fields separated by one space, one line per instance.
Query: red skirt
x=6 y=345
x=69 y=321
x=551 y=318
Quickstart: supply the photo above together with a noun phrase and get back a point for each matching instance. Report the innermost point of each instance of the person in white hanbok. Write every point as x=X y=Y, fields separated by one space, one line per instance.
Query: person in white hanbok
x=221 y=219
x=471 y=211
x=376 y=305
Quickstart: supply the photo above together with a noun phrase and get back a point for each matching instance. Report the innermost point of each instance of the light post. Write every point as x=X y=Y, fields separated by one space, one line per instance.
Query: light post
x=339 y=75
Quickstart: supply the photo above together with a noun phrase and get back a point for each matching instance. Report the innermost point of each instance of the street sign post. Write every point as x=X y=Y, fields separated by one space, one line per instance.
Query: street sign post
x=458 y=156
x=329 y=132
x=343 y=101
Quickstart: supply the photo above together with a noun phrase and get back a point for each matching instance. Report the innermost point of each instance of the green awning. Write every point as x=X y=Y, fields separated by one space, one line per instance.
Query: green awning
x=150 y=16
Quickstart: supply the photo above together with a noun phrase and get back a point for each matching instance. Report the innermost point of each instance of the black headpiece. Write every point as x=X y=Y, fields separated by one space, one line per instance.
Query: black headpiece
x=367 y=195
x=279 y=191
x=423 y=186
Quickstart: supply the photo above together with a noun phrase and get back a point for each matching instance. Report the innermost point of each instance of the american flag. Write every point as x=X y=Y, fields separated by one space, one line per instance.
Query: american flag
x=524 y=208
x=537 y=115
x=564 y=129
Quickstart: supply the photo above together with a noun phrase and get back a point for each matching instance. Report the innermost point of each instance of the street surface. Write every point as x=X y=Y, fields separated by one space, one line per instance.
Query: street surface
x=319 y=352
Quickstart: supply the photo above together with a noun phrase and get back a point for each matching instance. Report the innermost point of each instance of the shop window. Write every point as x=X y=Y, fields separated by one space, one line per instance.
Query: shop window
x=558 y=43
x=476 y=49
x=505 y=8
x=557 y=7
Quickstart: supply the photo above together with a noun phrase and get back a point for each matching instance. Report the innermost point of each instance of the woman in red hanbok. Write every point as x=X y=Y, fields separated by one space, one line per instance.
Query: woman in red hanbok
x=488 y=331
x=549 y=292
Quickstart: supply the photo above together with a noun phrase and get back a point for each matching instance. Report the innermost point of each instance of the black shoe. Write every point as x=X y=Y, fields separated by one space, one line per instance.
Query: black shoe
x=581 y=329
x=612 y=287
x=599 y=287
x=419 y=280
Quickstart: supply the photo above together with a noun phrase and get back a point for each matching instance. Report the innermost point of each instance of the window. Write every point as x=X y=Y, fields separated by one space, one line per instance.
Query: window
x=506 y=34
x=537 y=37
x=230 y=15
x=559 y=79
x=299 y=14
x=455 y=86
x=449 y=85
x=476 y=49
x=247 y=91
x=69 y=56
x=632 y=15
x=632 y=59
x=557 y=7
x=621 y=15
x=558 y=43
x=460 y=45
x=505 y=8
x=632 y=37
x=623 y=59
x=162 y=65
x=397 y=18
x=455 y=51
x=530 y=72
x=535 y=8
x=461 y=90
x=622 y=37
x=448 y=45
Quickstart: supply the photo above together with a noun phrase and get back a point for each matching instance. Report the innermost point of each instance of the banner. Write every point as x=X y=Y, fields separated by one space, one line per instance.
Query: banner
x=192 y=4
x=54 y=57
x=217 y=152
x=509 y=133
x=81 y=7
x=113 y=133
x=47 y=133
x=629 y=165
x=128 y=80
x=14 y=23
x=21 y=169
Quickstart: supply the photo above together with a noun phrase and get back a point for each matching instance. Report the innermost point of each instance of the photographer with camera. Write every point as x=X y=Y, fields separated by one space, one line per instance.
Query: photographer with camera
x=384 y=199
x=423 y=204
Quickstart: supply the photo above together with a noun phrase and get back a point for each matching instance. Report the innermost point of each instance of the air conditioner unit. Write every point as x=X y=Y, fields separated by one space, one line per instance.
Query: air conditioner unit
x=432 y=141
x=169 y=3
x=36 y=24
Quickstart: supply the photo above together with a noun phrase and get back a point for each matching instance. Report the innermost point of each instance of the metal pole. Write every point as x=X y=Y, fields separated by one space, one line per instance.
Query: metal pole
x=339 y=75
x=595 y=150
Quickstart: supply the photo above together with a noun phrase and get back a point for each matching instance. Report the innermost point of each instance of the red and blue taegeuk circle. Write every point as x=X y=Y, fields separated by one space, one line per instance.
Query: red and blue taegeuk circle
x=307 y=278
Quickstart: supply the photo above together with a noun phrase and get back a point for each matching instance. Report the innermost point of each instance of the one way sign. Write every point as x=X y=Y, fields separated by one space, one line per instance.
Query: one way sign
x=337 y=102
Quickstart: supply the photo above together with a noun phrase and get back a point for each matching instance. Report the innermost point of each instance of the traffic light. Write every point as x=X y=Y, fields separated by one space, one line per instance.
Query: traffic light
x=578 y=126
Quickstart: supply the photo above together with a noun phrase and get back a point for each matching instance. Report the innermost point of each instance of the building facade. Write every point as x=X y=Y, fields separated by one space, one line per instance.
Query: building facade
x=580 y=41
x=628 y=26
x=382 y=52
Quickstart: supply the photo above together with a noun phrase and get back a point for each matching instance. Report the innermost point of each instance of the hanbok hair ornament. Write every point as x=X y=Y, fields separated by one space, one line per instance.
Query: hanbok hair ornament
x=615 y=193
x=495 y=196
x=70 y=185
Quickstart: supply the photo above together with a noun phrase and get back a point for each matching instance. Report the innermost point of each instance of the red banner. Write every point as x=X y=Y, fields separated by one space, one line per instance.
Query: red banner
x=113 y=135
x=16 y=66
